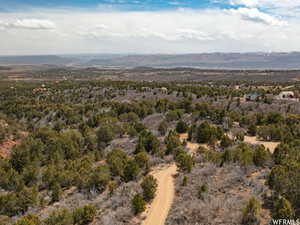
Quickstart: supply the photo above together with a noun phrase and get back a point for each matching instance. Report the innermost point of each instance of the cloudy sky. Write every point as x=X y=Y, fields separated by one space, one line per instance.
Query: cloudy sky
x=148 y=26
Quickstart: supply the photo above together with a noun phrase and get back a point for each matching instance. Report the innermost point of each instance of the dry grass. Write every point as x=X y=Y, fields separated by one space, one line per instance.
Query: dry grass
x=229 y=188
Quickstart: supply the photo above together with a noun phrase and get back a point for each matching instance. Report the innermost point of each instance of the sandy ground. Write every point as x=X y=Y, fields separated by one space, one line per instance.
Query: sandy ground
x=271 y=145
x=193 y=147
x=268 y=144
x=157 y=211
x=6 y=148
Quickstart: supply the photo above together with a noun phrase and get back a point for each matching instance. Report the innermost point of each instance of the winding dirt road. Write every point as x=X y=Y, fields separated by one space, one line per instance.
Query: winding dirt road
x=271 y=145
x=157 y=211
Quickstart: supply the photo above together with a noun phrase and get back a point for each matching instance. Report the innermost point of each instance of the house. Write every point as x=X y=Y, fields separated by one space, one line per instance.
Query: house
x=253 y=97
x=146 y=89
x=286 y=95
x=236 y=87
x=164 y=90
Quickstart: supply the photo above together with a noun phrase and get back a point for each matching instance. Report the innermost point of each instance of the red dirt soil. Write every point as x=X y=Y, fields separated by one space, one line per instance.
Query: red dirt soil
x=6 y=148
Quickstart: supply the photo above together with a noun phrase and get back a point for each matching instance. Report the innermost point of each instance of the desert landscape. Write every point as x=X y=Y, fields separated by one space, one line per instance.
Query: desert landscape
x=146 y=152
x=130 y=112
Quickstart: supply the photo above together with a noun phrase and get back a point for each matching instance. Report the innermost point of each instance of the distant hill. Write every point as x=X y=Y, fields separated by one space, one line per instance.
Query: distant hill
x=204 y=60
x=207 y=60
x=35 y=60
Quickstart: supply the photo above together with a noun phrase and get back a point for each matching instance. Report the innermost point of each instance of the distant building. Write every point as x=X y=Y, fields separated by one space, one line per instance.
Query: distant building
x=253 y=97
x=164 y=90
x=286 y=95
x=236 y=87
x=146 y=89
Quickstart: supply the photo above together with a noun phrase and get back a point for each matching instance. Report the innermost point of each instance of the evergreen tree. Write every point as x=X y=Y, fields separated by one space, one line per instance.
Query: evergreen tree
x=283 y=209
x=131 y=171
x=138 y=204
x=56 y=192
x=162 y=128
x=149 y=186
x=181 y=127
x=251 y=212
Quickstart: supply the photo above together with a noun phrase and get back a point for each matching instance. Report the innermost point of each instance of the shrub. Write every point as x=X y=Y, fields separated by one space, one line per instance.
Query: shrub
x=225 y=141
x=147 y=142
x=112 y=186
x=181 y=127
x=56 y=192
x=131 y=171
x=117 y=160
x=105 y=135
x=252 y=130
x=283 y=209
x=185 y=162
x=60 y=217
x=29 y=219
x=99 y=178
x=202 y=190
x=142 y=159
x=149 y=186
x=172 y=142
x=208 y=134
x=138 y=204
x=261 y=156
x=85 y=215
x=163 y=127
x=185 y=181
x=251 y=212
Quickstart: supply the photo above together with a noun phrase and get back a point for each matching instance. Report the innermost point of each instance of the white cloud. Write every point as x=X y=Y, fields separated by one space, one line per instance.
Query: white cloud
x=194 y=34
x=175 y=3
x=32 y=24
x=264 y=3
x=149 y=32
x=253 y=14
x=247 y=3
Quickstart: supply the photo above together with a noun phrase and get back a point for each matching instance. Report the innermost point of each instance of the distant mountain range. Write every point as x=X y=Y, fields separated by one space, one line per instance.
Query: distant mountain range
x=204 y=60
x=35 y=60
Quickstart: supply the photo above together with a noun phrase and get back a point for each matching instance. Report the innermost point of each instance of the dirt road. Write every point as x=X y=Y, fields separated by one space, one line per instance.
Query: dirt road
x=268 y=144
x=271 y=145
x=193 y=147
x=157 y=211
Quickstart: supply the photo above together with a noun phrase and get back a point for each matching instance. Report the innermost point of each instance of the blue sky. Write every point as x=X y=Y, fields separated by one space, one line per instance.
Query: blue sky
x=148 y=26
x=123 y=4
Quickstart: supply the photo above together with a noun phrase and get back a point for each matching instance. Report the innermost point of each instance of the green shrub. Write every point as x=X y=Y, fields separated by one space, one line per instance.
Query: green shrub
x=202 y=190
x=149 y=186
x=251 y=212
x=138 y=204
x=117 y=160
x=181 y=127
x=283 y=209
x=99 y=178
x=261 y=156
x=185 y=181
x=60 y=217
x=163 y=127
x=56 y=192
x=29 y=219
x=131 y=171
x=185 y=162
x=85 y=215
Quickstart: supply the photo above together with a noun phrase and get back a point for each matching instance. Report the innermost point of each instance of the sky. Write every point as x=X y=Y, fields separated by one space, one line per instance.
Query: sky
x=148 y=26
